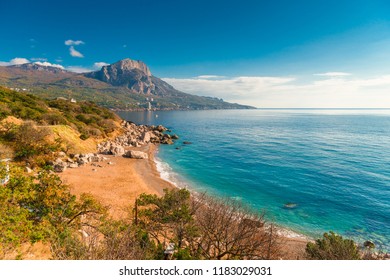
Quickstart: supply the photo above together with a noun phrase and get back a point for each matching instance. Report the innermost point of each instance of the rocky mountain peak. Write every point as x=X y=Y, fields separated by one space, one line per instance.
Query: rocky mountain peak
x=128 y=64
x=133 y=74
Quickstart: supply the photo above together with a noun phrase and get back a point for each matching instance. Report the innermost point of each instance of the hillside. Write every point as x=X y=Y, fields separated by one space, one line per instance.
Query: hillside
x=55 y=124
x=124 y=85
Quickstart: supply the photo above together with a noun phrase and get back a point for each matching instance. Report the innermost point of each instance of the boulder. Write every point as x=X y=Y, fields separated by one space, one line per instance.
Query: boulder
x=117 y=150
x=94 y=159
x=58 y=161
x=369 y=244
x=137 y=155
x=290 y=205
x=73 y=165
x=82 y=161
x=145 y=137
x=62 y=154
x=174 y=136
x=167 y=141
x=160 y=128
x=187 y=142
x=60 y=167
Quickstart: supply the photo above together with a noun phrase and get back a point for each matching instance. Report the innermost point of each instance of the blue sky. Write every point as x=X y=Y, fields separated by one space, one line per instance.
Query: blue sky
x=264 y=53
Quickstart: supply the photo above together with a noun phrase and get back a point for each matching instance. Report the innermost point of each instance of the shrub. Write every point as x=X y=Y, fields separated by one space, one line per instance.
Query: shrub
x=332 y=247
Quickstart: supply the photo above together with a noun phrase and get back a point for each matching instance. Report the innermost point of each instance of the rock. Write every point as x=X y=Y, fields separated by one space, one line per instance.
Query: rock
x=28 y=169
x=167 y=141
x=82 y=161
x=160 y=128
x=94 y=159
x=177 y=148
x=73 y=165
x=145 y=137
x=369 y=244
x=175 y=137
x=137 y=155
x=187 y=142
x=290 y=205
x=61 y=154
x=60 y=167
x=117 y=150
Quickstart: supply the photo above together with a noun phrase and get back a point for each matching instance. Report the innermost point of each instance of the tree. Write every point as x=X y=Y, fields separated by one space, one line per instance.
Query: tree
x=41 y=207
x=168 y=218
x=332 y=247
x=230 y=231
x=31 y=143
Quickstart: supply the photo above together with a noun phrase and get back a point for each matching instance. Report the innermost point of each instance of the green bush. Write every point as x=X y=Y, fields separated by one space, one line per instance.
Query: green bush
x=332 y=247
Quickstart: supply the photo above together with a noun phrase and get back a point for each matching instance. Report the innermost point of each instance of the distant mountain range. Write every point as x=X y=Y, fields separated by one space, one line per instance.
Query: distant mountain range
x=124 y=85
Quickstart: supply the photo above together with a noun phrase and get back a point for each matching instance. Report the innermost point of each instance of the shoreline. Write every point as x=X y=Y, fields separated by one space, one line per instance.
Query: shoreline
x=294 y=243
x=117 y=182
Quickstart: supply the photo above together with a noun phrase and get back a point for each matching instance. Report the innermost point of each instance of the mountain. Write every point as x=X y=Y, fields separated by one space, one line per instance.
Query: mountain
x=132 y=74
x=124 y=85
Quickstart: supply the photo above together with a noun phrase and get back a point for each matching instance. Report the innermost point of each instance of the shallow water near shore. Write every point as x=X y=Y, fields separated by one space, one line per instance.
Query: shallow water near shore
x=310 y=170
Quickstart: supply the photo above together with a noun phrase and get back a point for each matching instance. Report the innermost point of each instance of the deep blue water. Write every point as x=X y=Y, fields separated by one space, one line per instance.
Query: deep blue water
x=334 y=164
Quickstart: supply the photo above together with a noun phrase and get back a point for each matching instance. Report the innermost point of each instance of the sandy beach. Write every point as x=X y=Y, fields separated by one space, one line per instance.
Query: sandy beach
x=117 y=182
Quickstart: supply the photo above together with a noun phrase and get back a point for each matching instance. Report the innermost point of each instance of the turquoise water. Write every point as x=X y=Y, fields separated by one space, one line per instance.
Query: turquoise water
x=333 y=164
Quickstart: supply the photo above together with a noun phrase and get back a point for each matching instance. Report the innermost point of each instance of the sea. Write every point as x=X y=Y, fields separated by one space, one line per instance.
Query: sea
x=310 y=171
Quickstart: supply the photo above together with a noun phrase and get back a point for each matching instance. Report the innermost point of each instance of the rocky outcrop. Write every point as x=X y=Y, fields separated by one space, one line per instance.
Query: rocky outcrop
x=133 y=74
x=133 y=136
x=136 y=136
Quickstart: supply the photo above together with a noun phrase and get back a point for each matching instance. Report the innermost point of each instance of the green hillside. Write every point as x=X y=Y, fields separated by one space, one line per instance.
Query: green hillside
x=85 y=117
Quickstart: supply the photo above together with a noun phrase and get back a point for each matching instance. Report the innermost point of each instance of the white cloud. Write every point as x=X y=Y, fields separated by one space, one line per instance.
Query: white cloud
x=98 y=65
x=45 y=63
x=78 y=69
x=210 y=77
x=74 y=52
x=19 y=60
x=14 y=61
x=74 y=43
x=333 y=74
x=287 y=92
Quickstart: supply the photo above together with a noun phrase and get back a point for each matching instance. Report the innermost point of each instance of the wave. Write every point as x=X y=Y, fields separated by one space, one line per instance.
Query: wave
x=166 y=173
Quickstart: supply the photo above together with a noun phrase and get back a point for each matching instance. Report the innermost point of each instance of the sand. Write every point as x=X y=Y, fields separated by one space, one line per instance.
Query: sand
x=117 y=185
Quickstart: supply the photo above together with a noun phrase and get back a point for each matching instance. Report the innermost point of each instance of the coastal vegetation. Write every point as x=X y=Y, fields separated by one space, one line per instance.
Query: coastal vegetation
x=85 y=117
x=333 y=247
x=37 y=207
x=32 y=129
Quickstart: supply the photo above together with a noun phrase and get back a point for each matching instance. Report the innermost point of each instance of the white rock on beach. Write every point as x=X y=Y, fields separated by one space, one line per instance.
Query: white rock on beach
x=137 y=155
